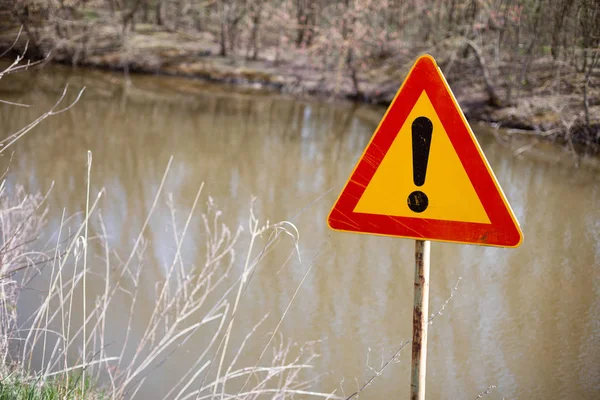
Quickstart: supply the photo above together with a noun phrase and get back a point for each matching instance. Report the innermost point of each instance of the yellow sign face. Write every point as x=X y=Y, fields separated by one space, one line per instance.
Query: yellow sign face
x=447 y=186
x=423 y=174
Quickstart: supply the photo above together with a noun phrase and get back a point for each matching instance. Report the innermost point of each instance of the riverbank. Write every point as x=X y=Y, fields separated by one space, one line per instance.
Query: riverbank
x=549 y=106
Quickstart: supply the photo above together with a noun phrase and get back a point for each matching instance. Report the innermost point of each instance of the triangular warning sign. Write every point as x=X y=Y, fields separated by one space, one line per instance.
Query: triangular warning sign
x=423 y=174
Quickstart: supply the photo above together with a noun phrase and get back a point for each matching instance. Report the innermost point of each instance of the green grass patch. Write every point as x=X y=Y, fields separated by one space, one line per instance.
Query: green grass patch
x=89 y=14
x=20 y=388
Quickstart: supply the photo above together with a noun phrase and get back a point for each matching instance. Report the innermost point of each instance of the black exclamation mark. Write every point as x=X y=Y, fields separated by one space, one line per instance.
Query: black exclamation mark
x=422 y=129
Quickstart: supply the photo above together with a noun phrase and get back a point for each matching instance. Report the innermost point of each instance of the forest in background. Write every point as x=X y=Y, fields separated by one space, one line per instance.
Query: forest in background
x=523 y=64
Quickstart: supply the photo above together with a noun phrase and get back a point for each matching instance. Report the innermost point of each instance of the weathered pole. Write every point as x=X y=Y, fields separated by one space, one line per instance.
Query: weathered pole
x=420 y=320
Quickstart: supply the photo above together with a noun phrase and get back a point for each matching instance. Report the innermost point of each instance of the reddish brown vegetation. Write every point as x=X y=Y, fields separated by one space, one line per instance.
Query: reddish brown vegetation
x=531 y=64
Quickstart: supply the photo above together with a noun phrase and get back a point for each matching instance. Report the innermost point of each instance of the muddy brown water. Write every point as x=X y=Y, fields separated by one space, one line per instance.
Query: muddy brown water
x=526 y=320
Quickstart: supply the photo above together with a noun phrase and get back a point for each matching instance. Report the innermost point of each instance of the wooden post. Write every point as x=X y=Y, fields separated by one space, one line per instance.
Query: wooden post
x=420 y=320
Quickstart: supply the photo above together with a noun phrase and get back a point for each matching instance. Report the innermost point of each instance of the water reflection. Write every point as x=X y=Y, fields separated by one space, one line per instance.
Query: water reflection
x=525 y=320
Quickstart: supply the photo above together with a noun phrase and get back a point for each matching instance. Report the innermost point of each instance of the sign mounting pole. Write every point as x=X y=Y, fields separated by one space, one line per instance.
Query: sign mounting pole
x=453 y=194
x=420 y=320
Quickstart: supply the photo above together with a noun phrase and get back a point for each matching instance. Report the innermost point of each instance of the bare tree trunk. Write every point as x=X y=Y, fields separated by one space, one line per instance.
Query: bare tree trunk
x=253 y=45
x=306 y=18
x=128 y=16
x=280 y=37
x=451 y=16
x=223 y=32
x=311 y=21
x=559 y=19
x=23 y=17
x=232 y=13
x=532 y=42
x=178 y=14
x=278 y=48
x=300 y=21
x=586 y=100
x=199 y=17
x=427 y=28
x=589 y=15
x=353 y=73
x=347 y=31
x=502 y=31
x=146 y=12
x=493 y=98
x=158 y=10
x=511 y=74
x=473 y=11
x=111 y=5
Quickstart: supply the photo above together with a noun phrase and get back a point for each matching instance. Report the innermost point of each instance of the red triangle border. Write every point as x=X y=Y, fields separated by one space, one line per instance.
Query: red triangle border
x=503 y=229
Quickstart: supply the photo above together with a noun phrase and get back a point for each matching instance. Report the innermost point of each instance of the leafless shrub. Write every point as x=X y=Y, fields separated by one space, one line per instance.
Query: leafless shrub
x=188 y=302
x=14 y=67
x=21 y=219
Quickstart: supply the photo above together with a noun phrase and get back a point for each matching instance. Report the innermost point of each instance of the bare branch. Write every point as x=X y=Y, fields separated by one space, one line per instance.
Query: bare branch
x=11 y=103
x=485 y=392
x=394 y=357
x=11 y=139
x=14 y=43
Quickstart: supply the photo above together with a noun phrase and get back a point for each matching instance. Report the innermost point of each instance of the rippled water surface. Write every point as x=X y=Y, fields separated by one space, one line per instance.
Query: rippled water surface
x=526 y=320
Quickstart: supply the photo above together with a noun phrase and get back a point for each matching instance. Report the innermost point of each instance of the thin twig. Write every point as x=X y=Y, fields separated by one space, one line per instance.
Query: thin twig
x=14 y=43
x=485 y=392
x=397 y=353
x=282 y=316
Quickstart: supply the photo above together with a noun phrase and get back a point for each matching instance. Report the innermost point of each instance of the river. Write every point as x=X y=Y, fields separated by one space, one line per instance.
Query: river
x=526 y=320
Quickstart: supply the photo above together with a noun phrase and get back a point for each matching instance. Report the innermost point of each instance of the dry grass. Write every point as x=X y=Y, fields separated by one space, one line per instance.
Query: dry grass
x=65 y=338
x=21 y=218
x=188 y=302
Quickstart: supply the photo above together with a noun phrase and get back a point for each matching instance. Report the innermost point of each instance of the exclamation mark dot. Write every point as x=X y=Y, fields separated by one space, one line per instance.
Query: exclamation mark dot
x=422 y=129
